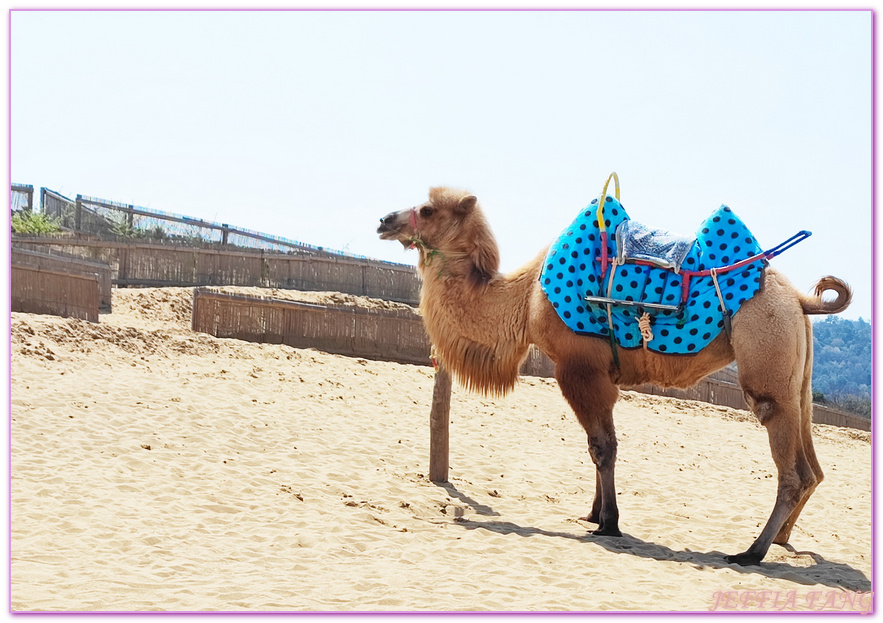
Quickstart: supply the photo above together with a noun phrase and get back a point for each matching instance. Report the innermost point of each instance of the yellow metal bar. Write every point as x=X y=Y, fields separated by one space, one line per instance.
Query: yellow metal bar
x=613 y=176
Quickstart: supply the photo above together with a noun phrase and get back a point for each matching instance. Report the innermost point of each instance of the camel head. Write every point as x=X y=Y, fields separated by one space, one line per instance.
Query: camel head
x=450 y=224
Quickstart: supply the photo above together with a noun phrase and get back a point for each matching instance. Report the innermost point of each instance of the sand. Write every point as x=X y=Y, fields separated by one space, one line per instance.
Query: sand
x=158 y=469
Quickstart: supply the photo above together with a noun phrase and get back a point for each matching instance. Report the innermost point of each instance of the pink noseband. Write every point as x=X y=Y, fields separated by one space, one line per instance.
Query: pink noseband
x=414 y=227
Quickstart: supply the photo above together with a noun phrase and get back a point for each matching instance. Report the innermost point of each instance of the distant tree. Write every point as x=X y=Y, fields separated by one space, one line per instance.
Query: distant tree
x=842 y=363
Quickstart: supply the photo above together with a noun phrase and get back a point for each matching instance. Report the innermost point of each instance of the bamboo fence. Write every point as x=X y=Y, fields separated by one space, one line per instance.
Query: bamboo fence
x=716 y=389
x=145 y=264
x=383 y=334
x=41 y=291
x=65 y=263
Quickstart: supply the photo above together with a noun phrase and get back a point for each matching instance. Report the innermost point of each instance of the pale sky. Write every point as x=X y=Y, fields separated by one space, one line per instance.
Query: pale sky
x=312 y=125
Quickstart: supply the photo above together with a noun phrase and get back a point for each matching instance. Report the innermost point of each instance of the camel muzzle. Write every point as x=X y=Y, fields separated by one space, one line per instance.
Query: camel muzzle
x=393 y=227
x=388 y=226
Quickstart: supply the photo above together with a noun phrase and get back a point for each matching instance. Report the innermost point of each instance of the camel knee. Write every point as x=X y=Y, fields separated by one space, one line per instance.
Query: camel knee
x=811 y=479
x=798 y=483
x=815 y=475
x=602 y=449
x=763 y=406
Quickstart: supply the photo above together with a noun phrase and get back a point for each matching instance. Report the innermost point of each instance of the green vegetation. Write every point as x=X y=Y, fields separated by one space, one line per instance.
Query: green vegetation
x=122 y=227
x=28 y=222
x=842 y=364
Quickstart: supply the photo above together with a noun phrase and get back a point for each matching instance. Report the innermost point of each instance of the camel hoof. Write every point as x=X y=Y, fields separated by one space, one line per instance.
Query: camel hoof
x=782 y=538
x=744 y=559
x=591 y=518
x=605 y=531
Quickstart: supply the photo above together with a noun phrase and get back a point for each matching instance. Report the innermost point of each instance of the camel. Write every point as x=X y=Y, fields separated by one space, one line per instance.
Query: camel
x=482 y=324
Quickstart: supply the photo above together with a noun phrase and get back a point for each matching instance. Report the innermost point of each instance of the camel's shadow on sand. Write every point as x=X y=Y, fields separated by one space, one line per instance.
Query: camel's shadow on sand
x=828 y=573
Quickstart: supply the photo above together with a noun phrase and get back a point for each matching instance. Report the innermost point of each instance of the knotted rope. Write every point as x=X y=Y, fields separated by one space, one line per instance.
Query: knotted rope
x=644 y=326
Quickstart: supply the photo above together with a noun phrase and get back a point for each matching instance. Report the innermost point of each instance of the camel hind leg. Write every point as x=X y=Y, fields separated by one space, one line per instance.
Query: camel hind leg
x=806 y=439
x=772 y=345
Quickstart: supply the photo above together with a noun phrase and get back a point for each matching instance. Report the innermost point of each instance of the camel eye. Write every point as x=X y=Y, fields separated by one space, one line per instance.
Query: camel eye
x=427 y=211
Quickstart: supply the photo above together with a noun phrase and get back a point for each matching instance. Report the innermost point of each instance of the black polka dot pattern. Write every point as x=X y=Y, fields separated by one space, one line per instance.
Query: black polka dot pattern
x=572 y=268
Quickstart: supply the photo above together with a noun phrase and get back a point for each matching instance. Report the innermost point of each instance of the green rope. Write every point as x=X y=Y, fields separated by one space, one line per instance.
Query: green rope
x=430 y=254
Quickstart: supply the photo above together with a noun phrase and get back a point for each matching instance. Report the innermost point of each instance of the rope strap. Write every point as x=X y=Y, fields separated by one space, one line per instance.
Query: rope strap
x=644 y=327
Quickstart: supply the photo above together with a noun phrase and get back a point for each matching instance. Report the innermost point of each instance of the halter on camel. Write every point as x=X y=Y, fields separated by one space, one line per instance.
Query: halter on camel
x=416 y=239
x=650 y=288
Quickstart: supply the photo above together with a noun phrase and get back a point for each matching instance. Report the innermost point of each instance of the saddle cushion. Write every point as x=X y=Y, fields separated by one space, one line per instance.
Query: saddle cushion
x=663 y=248
x=572 y=272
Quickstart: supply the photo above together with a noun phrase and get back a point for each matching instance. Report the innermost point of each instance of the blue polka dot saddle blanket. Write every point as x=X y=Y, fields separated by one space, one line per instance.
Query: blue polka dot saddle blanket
x=608 y=276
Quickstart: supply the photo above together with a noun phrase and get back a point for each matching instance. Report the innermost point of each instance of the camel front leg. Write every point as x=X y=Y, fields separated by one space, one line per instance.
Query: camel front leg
x=602 y=448
x=592 y=394
x=594 y=515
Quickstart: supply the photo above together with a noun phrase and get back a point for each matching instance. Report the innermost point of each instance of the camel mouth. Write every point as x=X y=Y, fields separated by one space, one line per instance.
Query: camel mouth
x=386 y=232
x=390 y=233
x=392 y=228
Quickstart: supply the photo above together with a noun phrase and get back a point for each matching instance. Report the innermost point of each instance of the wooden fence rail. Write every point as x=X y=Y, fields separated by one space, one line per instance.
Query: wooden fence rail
x=713 y=390
x=826 y=415
x=40 y=291
x=145 y=264
x=389 y=335
x=383 y=334
x=65 y=263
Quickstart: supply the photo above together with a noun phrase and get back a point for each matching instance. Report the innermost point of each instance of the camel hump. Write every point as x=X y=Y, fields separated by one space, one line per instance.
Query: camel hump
x=815 y=305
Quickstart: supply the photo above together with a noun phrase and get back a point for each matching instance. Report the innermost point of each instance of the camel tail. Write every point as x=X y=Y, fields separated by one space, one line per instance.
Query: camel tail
x=815 y=305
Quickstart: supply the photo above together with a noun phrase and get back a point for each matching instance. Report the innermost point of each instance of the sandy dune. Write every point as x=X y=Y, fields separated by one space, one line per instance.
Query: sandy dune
x=158 y=469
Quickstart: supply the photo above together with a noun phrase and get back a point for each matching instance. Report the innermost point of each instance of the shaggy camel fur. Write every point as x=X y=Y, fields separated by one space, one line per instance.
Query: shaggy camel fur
x=482 y=324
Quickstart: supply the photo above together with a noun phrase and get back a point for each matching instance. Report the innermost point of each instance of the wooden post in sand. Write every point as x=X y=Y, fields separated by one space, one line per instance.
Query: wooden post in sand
x=439 y=417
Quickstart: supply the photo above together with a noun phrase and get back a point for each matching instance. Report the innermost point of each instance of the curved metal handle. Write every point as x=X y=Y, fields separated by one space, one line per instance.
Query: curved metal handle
x=613 y=176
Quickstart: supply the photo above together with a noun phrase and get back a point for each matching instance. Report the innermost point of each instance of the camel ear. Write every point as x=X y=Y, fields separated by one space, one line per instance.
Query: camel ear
x=466 y=204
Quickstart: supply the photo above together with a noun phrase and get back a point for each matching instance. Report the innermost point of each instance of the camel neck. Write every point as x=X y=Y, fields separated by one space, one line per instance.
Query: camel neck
x=479 y=329
x=436 y=264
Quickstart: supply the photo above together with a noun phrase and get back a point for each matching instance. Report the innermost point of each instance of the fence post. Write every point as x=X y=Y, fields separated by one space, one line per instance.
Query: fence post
x=265 y=270
x=439 y=418
x=28 y=191
x=78 y=214
x=194 y=314
x=122 y=263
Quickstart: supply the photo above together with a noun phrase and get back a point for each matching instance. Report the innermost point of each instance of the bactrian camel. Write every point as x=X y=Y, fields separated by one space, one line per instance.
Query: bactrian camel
x=482 y=324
